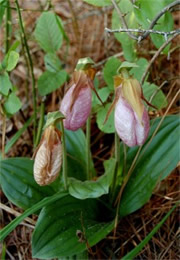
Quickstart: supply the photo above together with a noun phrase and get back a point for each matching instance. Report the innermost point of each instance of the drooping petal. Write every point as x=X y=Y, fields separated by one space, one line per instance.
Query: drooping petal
x=48 y=158
x=78 y=114
x=130 y=129
x=142 y=129
x=132 y=92
x=125 y=122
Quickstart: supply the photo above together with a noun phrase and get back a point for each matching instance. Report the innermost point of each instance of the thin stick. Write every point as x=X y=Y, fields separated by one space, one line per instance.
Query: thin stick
x=88 y=153
x=145 y=32
x=123 y=21
x=155 y=56
x=16 y=213
x=165 y=34
x=64 y=156
x=158 y=16
x=31 y=68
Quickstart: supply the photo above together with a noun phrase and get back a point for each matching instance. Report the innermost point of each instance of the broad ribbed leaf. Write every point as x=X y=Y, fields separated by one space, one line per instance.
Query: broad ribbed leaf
x=156 y=162
x=93 y=189
x=18 y=183
x=55 y=233
x=47 y=32
x=14 y=223
x=76 y=152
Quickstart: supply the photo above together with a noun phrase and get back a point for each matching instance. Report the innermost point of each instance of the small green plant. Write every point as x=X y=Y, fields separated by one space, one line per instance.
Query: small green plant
x=75 y=207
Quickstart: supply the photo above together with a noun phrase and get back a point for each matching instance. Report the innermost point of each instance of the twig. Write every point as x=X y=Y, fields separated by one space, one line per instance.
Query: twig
x=145 y=33
x=16 y=213
x=154 y=21
x=165 y=34
x=31 y=68
x=123 y=21
x=120 y=54
x=155 y=56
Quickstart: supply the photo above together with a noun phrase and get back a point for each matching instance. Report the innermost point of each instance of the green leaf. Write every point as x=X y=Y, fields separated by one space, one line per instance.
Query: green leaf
x=50 y=81
x=76 y=150
x=14 y=223
x=47 y=32
x=110 y=70
x=15 y=137
x=138 y=72
x=55 y=234
x=93 y=189
x=12 y=104
x=103 y=93
x=52 y=62
x=128 y=45
x=12 y=60
x=99 y=2
x=18 y=183
x=107 y=127
x=146 y=12
x=126 y=64
x=5 y=84
x=159 y=99
x=133 y=253
x=156 y=161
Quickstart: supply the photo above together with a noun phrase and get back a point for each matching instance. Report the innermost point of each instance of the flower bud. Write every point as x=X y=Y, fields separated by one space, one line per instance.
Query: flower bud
x=48 y=158
x=76 y=104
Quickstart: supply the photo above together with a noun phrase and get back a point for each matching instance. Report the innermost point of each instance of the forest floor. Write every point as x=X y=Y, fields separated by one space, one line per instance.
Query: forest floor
x=84 y=25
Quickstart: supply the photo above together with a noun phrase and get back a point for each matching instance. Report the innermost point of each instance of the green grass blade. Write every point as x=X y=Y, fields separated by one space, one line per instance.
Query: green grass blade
x=138 y=248
x=13 y=140
x=13 y=224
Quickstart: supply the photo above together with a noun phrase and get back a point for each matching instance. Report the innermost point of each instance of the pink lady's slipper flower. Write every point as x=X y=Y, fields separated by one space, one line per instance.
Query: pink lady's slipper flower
x=76 y=104
x=48 y=158
x=131 y=118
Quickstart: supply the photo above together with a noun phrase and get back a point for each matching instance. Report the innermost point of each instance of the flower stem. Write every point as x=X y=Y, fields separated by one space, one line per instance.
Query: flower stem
x=40 y=125
x=64 y=156
x=88 y=152
x=117 y=157
x=8 y=26
x=31 y=68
